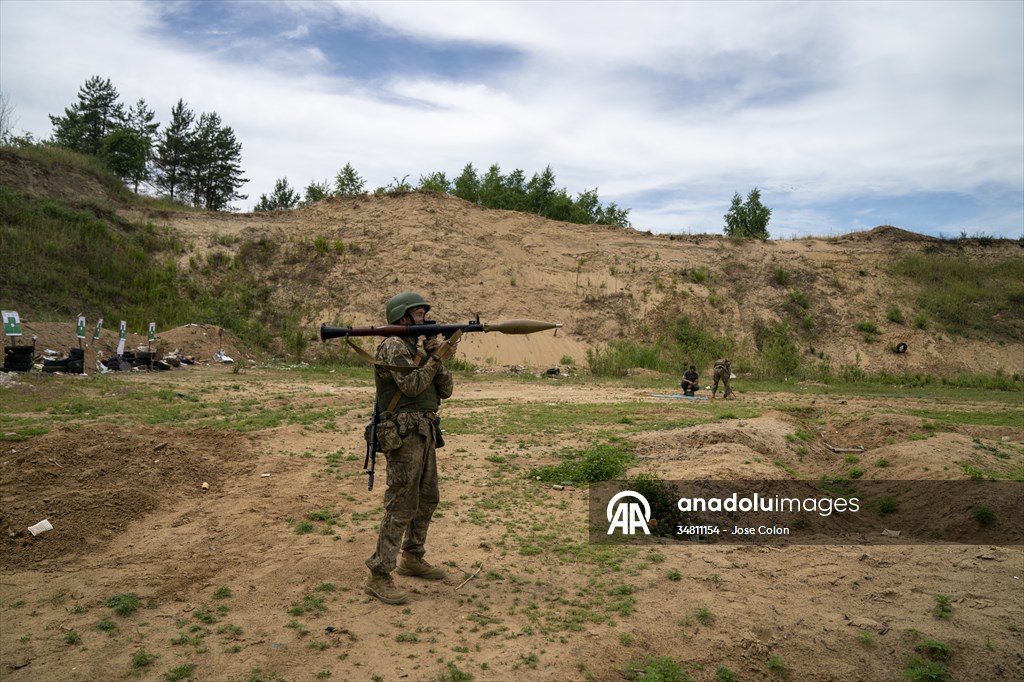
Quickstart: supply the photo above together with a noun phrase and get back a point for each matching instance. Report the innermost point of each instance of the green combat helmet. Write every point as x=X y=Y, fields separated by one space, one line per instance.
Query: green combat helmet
x=402 y=303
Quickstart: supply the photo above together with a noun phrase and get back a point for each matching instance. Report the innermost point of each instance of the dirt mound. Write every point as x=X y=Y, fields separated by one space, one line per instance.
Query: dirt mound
x=201 y=341
x=94 y=482
x=61 y=181
x=891 y=234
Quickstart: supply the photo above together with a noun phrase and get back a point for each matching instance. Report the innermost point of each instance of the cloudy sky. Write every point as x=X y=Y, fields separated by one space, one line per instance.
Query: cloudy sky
x=845 y=115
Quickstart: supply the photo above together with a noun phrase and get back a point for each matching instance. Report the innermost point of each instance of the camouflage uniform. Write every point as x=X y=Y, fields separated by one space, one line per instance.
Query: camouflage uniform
x=723 y=371
x=409 y=438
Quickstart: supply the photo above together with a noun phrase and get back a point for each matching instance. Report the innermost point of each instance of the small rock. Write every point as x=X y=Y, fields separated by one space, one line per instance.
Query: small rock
x=206 y=486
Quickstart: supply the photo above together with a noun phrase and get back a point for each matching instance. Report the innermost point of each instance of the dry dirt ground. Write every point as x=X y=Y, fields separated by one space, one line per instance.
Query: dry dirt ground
x=231 y=590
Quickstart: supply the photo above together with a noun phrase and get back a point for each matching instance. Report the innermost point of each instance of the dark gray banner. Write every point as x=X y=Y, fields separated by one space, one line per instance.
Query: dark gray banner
x=652 y=511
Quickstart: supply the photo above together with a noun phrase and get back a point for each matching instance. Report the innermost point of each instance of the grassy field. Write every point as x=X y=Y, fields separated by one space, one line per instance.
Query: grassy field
x=538 y=591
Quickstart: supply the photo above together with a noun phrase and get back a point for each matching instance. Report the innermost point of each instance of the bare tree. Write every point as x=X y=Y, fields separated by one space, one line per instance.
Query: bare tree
x=7 y=118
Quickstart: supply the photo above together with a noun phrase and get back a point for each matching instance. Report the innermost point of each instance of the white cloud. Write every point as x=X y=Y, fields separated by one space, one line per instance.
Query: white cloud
x=816 y=103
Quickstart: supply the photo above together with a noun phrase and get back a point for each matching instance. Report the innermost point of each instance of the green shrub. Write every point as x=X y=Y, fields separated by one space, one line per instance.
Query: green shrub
x=887 y=504
x=124 y=604
x=602 y=462
x=778 y=356
x=983 y=515
x=920 y=670
x=657 y=669
x=895 y=315
x=799 y=299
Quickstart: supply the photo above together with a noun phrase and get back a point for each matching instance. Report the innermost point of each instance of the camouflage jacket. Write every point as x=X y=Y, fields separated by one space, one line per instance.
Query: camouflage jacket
x=423 y=385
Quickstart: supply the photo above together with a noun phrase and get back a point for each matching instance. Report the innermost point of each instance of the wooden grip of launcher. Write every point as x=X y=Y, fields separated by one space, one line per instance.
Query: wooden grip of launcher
x=444 y=351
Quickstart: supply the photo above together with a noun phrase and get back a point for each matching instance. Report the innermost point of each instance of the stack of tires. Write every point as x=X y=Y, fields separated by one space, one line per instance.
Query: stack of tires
x=117 y=364
x=143 y=358
x=18 y=358
x=76 y=361
x=73 y=364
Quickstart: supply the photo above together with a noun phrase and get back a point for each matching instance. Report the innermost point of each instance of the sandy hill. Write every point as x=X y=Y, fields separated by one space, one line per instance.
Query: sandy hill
x=339 y=260
x=602 y=283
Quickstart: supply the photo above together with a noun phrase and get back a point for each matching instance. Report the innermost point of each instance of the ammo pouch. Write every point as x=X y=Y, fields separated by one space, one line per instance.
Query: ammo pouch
x=387 y=435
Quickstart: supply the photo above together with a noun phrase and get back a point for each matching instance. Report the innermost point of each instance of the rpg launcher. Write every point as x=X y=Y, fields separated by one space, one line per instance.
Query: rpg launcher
x=451 y=333
x=430 y=328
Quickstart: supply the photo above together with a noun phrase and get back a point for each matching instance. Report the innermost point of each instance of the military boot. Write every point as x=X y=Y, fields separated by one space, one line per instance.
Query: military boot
x=415 y=566
x=381 y=586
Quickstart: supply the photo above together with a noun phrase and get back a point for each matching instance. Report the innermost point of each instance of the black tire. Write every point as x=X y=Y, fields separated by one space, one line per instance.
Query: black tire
x=62 y=363
x=75 y=366
x=901 y=347
x=76 y=354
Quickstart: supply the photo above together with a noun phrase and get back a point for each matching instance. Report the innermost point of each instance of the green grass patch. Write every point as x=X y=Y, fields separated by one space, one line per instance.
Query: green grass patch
x=968 y=297
x=124 y=604
x=600 y=462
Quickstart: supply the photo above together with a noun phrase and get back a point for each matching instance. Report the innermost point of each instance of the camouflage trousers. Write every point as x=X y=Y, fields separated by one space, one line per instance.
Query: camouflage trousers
x=412 y=493
x=723 y=375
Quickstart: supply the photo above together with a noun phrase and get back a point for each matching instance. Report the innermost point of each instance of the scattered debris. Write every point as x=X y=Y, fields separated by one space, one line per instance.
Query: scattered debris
x=40 y=527
x=478 y=569
x=833 y=448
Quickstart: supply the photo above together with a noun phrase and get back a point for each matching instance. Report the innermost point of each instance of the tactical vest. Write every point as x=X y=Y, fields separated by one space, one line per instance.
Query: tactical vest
x=428 y=401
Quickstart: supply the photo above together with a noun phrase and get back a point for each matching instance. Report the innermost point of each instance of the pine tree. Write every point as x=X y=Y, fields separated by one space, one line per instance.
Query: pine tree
x=140 y=120
x=540 y=192
x=492 y=188
x=467 y=185
x=214 y=174
x=126 y=153
x=748 y=219
x=348 y=183
x=96 y=114
x=172 y=150
x=316 y=191
x=514 y=195
x=282 y=198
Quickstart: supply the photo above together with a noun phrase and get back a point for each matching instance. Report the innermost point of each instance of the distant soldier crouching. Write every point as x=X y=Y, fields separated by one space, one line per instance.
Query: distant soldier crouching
x=723 y=371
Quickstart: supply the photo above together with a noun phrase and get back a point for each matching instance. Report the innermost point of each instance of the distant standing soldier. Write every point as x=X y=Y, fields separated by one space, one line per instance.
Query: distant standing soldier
x=409 y=437
x=723 y=371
